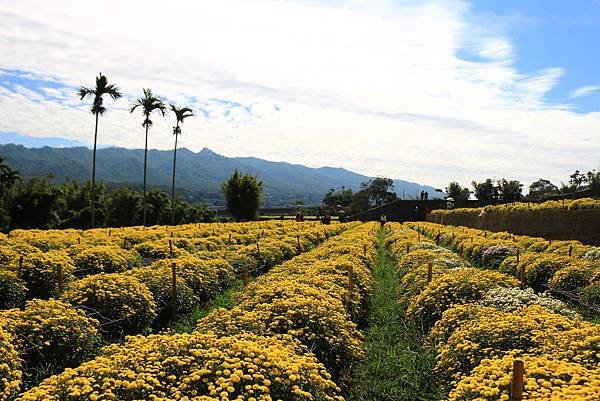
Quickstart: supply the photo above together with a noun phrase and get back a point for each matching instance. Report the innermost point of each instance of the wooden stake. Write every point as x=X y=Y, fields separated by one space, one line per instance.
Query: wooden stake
x=407 y=249
x=109 y=232
x=257 y=249
x=365 y=250
x=299 y=246
x=60 y=279
x=516 y=386
x=78 y=241
x=20 y=269
x=229 y=240
x=245 y=276
x=418 y=236
x=571 y=250
x=350 y=282
x=173 y=291
x=170 y=248
x=429 y=272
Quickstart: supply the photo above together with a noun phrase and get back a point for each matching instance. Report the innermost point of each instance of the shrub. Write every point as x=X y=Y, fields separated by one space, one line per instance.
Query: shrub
x=41 y=273
x=10 y=366
x=574 y=277
x=495 y=255
x=539 y=268
x=158 y=249
x=455 y=317
x=159 y=281
x=545 y=379
x=592 y=254
x=454 y=287
x=7 y=256
x=196 y=367
x=590 y=295
x=204 y=277
x=513 y=298
x=122 y=303
x=52 y=332
x=526 y=330
x=12 y=290
x=105 y=259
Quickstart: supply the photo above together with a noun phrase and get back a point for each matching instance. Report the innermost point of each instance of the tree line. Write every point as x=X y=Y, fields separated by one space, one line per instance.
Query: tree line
x=506 y=191
x=38 y=203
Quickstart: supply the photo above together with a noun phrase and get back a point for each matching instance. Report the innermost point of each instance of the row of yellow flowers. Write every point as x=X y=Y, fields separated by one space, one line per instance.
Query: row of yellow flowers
x=568 y=267
x=265 y=348
x=62 y=333
x=478 y=336
x=567 y=204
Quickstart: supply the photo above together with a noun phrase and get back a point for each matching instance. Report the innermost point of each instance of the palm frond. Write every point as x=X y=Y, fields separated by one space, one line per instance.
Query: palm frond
x=83 y=92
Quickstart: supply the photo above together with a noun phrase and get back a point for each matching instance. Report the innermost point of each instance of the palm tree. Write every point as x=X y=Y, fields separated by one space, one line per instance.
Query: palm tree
x=180 y=114
x=102 y=88
x=148 y=103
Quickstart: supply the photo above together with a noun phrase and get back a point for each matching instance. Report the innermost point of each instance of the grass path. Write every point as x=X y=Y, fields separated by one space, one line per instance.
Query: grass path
x=396 y=365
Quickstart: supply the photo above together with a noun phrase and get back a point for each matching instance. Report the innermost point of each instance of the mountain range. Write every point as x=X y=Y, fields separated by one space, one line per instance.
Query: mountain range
x=198 y=174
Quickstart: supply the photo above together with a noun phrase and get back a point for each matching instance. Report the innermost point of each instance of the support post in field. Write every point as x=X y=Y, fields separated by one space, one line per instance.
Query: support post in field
x=350 y=282
x=570 y=250
x=365 y=250
x=429 y=272
x=229 y=240
x=419 y=236
x=245 y=276
x=20 y=269
x=79 y=240
x=60 y=279
x=171 y=248
x=109 y=232
x=407 y=249
x=516 y=386
x=173 y=291
x=257 y=250
x=299 y=245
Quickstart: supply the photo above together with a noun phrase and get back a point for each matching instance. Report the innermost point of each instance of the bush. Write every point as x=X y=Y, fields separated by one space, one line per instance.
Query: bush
x=455 y=317
x=592 y=254
x=10 y=366
x=159 y=281
x=41 y=273
x=574 y=277
x=513 y=298
x=539 y=268
x=158 y=249
x=52 y=332
x=122 y=303
x=526 y=330
x=196 y=367
x=104 y=259
x=204 y=277
x=8 y=257
x=495 y=255
x=12 y=290
x=454 y=287
x=590 y=295
x=545 y=379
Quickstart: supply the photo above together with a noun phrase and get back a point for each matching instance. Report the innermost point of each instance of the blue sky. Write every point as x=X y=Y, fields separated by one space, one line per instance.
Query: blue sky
x=426 y=91
x=550 y=33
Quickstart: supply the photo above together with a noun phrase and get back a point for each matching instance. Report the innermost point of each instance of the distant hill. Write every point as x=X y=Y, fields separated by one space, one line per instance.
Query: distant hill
x=198 y=174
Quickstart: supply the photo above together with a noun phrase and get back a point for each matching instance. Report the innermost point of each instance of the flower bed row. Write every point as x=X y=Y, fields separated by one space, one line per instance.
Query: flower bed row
x=63 y=333
x=567 y=204
x=566 y=267
x=481 y=321
x=287 y=332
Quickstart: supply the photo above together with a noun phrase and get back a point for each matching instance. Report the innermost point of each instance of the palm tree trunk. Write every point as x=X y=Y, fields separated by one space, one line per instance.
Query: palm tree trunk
x=145 y=164
x=173 y=185
x=93 y=200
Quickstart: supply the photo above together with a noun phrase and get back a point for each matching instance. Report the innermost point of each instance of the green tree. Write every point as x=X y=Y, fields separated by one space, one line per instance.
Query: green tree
x=148 y=103
x=159 y=207
x=180 y=115
x=37 y=204
x=485 y=191
x=542 y=189
x=102 y=88
x=77 y=206
x=342 y=197
x=8 y=180
x=458 y=193
x=379 y=191
x=242 y=195
x=510 y=190
x=592 y=178
x=124 y=206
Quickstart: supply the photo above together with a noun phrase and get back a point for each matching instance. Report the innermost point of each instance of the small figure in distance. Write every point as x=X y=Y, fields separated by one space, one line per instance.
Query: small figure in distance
x=422 y=194
x=426 y=195
x=326 y=219
x=342 y=214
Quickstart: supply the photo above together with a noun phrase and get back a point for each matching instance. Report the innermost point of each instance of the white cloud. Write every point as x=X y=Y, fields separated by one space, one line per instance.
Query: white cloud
x=584 y=91
x=377 y=88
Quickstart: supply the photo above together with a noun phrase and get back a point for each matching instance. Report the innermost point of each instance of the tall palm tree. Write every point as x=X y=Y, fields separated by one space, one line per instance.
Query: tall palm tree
x=102 y=88
x=148 y=103
x=180 y=114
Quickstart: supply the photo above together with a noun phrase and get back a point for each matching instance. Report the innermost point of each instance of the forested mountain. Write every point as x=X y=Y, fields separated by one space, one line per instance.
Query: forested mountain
x=198 y=174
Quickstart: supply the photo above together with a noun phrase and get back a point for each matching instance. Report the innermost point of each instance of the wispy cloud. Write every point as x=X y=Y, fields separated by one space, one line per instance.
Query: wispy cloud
x=584 y=91
x=375 y=87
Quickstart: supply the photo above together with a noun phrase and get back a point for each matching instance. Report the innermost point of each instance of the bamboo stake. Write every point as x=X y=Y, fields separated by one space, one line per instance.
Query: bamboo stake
x=516 y=387
x=173 y=291
x=429 y=272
